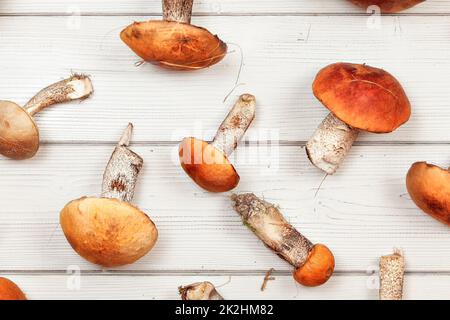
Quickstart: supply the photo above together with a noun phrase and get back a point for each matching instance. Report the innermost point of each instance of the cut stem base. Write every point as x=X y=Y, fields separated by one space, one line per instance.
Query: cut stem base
x=74 y=88
x=392 y=270
x=330 y=144
x=200 y=291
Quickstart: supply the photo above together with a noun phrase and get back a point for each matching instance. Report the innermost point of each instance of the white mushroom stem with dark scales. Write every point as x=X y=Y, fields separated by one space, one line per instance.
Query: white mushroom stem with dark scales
x=330 y=144
x=392 y=270
x=200 y=291
x=177 y=10
x=74 y=88
x=120 y=177
x=269 y=225
x=235 y=124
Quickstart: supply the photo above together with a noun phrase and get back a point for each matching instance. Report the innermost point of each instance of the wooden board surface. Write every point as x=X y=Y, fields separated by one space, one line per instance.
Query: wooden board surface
x=280 y=63
x=360 y=213
x=210 y=7
x=154 y=287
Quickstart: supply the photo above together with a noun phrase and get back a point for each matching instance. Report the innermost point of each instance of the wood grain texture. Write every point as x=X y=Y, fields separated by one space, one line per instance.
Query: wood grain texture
x=150 y=287
x=280 y=62
x=361 y=213
x=201 y=7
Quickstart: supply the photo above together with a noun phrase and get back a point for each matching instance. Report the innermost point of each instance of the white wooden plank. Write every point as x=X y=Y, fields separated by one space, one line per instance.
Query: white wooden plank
x=108 y=286
x=281 y=60
x=361 y=213
x=200 y=7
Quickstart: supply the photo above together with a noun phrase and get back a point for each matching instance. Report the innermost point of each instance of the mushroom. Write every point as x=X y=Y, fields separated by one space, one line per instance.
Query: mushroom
x=313 y=263
x=388 y=6
x=173 y=42
x=199 y=291
x=207 y=163
x=429 y=188
x=392 y=270
x=19 y=134
x=359 y=97
x=109 y=231
x=10 y=291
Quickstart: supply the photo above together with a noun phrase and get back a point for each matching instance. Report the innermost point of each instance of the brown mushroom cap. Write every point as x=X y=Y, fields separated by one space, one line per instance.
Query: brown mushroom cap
x=174 y=45
x=317 y=269
x=207 y=166
x=19 y=135
x=429 y=188
x=388 y=6
x=108 y=232
x=364 y=97
x=10 y=291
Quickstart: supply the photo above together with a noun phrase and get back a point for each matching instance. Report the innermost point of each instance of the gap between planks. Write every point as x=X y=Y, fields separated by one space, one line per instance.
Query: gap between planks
x=281 y=143
x=206 y=273
x=224 y=14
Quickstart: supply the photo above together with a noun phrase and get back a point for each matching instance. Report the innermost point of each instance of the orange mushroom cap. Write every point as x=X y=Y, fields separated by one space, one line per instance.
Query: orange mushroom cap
x=317 y=269
x=10 y=291
x=364 y=97
x=19 y=135
x=174 y=45
x=388 y=6
x=429 y=188
x=108 y=232
x=207 y=166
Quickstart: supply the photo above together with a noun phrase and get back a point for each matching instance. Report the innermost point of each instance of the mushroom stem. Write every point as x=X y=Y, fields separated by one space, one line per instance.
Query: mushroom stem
x=125 y=139
x=200 y=291
x=177 y=10
x=74 y=88
x=330 y=144
x=120 y=177
x=392 y=269
x=235 y=124
x=269 y=225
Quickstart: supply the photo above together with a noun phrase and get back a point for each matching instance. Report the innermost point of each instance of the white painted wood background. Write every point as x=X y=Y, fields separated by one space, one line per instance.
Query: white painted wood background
x=361 y=213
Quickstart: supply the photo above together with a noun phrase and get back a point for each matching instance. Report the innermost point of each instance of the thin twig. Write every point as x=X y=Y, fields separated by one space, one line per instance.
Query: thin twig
x=109 y=33
x=236 y=83
x=267 y=278
x=139 y=63
x=320 y=185
x=224 y=284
